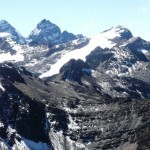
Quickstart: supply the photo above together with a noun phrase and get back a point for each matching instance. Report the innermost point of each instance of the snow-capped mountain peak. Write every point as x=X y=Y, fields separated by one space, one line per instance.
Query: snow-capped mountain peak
x=46 y=32
x=117 y=34
x=44 y=24
x=5 y=28
x=4 y=23
x=49 y=33
x=8 y=31
x=120 y=29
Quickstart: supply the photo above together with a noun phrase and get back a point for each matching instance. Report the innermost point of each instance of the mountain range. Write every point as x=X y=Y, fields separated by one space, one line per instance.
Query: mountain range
x=61 y=91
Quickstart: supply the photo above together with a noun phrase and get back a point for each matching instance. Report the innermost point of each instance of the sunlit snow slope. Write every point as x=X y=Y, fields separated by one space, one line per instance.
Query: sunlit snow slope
x=18 y=52
x=103 y=40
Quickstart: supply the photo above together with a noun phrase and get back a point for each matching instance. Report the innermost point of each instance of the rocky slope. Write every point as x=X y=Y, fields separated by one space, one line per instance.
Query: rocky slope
x=45 y=32
x=50 y=34
x=46 y=115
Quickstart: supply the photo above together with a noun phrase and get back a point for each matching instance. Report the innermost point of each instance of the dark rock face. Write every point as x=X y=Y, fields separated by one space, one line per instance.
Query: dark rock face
x=5 y=27
x=49 y=34
x=126 y=34
x=98 y=56
x=46 y=32
x=66 y=37
x=33 y=43
x=54 y=50
x=74 y=70
x=115 y=125
x=98 y=124
x=8 y=71
x=136 y=43
x=120 y=72
x=18 y=110
x=60 y=117
x=80 y=36
x=117 y=57
x=69 y=115
x=6 y=47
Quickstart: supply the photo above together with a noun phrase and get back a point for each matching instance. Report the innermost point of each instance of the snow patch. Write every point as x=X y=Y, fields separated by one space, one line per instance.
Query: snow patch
x=105 y=85
x=25 y=144
x=36 y=31
x=144 y=51
x=1 y=87
x=37 y=146
x=3 y=145
x=61 y=142
x=10 y=131
x=1 y=124
x=4 y=34
x=18 y=56
x=72 y=124
x=8 y=57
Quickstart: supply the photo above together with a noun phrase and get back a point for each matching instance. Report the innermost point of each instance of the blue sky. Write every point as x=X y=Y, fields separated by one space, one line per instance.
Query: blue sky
x=88 y=17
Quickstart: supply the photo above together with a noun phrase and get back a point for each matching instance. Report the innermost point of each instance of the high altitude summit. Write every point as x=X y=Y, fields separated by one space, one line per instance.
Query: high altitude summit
x=6 y=30
x=49 y=33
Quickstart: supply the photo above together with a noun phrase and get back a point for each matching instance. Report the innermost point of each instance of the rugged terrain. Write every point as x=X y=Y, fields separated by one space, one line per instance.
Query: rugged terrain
x=68 y=115
x=94 y=93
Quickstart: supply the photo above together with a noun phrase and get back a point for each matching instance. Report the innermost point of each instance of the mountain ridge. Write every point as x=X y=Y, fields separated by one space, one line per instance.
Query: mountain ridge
x=7 y=30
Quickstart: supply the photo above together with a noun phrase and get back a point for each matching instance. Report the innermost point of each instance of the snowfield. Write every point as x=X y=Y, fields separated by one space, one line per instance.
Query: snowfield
x=103 y=40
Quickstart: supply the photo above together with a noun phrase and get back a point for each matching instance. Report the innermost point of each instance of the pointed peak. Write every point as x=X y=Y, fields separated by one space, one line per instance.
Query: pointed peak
x=45 y=32
x=65 y=31
x=44 y=23
x=123 y=31
x=5 y=26
x=7 y=30
x=117 y=28
x=2 y=22
x=119 y=32
x=120 y=29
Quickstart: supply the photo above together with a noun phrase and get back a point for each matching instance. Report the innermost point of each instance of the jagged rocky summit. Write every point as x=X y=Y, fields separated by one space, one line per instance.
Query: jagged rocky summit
x=49 y=33
x=6 y=30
